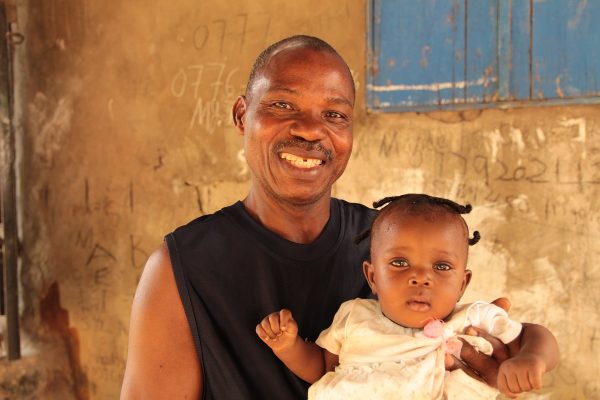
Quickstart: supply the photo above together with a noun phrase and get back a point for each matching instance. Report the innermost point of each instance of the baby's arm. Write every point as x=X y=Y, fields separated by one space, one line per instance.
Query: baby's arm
x=533 y=352
x=308 y=361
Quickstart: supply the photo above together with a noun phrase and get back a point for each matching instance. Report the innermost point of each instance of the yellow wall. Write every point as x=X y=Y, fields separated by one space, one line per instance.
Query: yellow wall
x=125 y=133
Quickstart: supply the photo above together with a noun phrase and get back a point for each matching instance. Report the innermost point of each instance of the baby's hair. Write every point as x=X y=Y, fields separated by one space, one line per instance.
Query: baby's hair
x=419 y=203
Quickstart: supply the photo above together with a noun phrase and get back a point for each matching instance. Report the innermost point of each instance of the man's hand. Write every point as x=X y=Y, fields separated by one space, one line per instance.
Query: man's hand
x=278 y=330
x=521 y=373
x=478 y=365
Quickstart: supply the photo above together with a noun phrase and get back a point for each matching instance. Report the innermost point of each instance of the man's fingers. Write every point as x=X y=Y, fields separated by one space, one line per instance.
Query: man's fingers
x=500 y=350
x=536 y=380
x=523 y=382
x=503 y=303
x=512 y=383
x=503 y=387
x=486 y=366
x=452 y=363
x=449 y=362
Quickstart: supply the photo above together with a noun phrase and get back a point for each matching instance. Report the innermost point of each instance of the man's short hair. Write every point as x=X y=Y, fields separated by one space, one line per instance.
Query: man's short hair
x=301 y=41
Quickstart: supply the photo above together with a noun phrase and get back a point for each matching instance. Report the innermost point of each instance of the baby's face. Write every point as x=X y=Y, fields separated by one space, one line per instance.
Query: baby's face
x=418 y=267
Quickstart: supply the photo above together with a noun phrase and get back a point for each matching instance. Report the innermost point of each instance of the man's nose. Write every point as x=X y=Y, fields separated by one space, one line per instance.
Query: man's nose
x=308 y=127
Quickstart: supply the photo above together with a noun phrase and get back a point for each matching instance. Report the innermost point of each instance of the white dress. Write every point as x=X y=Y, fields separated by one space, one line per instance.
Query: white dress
x=379 y=359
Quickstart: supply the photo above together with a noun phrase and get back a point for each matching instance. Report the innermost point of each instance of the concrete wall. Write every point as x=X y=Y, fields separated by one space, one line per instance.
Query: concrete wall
x=125 y=133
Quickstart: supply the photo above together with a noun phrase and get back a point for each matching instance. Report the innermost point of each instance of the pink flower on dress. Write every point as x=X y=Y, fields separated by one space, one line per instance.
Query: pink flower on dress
x=434 y=328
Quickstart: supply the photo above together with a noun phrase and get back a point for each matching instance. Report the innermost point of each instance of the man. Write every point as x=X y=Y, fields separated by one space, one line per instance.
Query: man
x=287 y=245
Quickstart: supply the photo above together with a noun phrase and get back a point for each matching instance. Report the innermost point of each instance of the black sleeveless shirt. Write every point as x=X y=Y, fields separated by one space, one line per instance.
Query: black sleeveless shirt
x=231 y=272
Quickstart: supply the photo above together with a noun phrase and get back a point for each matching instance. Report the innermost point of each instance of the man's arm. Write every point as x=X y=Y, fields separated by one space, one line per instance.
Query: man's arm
x=161 y=360
x=476 y=364
x=539 y=341
x=533 y=353
x=535 y=340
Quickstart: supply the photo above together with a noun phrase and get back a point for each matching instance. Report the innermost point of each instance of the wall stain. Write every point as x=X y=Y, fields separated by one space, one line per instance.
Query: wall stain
x=22 y=386
x=57 y=319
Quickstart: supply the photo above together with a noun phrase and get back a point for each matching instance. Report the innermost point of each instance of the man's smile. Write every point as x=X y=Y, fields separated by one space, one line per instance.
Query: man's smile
x=301 y=162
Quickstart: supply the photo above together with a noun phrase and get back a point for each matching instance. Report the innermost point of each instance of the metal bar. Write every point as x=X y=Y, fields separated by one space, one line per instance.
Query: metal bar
x=3 y=118
x=466 y=47
x=504 y=47
x=398 y=108
x=9 y=203
x=373 y=29
x=531 y=49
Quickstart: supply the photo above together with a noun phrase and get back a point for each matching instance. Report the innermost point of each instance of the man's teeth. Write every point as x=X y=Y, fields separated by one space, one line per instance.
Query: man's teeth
x=301 y=162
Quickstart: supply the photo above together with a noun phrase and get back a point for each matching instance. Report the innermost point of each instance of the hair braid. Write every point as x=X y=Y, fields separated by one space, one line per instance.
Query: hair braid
x=421 y=202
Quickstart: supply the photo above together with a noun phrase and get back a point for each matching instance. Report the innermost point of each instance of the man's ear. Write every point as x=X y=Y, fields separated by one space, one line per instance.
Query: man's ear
x=238 y=113
x=465 y=282
x=369 y=272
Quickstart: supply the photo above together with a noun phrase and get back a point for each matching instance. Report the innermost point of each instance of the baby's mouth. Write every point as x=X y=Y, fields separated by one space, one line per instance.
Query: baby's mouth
x=419 y=305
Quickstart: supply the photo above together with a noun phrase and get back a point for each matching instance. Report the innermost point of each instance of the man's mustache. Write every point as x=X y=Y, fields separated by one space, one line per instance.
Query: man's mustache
x=300 y=143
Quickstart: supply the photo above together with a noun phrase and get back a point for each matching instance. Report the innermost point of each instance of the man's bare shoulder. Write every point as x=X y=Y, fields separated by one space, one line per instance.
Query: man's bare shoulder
x=161 y=360
x=157 y=278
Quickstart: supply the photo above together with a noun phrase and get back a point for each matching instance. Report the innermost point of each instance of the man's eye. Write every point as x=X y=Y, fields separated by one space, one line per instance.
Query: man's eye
x=281 y=104
x=334 y=114
x=399 y=263
x=442 y=267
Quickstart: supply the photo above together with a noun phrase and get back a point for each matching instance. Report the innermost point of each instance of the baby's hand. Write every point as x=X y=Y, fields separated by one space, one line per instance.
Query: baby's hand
x=278 y=330
x=521 y=373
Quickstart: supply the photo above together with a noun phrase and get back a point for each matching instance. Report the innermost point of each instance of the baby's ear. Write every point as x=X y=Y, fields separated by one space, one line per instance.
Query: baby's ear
x=465 y=282
x=369 y=272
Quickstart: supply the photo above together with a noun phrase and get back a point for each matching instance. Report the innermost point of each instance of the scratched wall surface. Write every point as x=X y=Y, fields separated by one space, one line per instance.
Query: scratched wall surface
x=124 y=119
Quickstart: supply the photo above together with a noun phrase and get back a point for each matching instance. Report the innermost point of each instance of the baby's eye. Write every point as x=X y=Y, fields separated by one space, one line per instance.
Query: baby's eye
x=399 y=263
x=442 y=267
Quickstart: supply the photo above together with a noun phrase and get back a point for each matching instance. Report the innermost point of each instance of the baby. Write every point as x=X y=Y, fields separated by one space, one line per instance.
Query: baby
x=394 y=347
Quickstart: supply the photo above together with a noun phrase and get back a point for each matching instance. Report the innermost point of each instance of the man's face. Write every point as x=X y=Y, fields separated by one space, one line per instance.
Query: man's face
x=418 y=267
x=297 y=125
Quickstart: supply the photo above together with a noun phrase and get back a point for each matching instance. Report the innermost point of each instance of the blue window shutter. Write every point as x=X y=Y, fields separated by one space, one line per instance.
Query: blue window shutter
x=482 y=49
x=448 y=54
x=519 y=48
x=418 y=54
x=566 y=49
